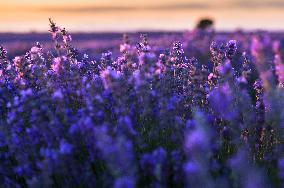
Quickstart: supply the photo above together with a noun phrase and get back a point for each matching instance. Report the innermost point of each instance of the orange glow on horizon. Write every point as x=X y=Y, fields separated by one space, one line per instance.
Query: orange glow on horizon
x=132 y=15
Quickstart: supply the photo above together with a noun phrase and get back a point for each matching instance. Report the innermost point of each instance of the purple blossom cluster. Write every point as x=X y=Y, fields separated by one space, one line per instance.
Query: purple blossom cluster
x=144 y=119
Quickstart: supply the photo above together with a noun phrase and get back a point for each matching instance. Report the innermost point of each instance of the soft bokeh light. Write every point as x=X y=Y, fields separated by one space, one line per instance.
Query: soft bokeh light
x=132 y=15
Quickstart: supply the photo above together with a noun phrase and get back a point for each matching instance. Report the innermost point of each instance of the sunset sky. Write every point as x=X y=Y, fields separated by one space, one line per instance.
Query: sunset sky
x=133 y=15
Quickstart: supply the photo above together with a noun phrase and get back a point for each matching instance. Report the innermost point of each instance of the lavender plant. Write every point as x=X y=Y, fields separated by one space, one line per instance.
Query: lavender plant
x=143 y=118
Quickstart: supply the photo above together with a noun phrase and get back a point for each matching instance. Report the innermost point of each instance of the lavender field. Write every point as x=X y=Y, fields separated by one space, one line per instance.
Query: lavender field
x=162 y=109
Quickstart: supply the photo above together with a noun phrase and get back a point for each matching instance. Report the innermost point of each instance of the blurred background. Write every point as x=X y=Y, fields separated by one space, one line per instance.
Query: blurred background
x=136 y=15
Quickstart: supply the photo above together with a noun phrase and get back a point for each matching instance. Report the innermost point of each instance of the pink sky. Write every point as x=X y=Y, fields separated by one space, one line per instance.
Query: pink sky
x=132 y=15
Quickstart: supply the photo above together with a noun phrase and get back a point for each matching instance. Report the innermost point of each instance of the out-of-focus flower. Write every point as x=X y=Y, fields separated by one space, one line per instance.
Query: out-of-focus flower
x=57 y=94
x=124 y=48
x=276 y=46
x=65 y=147
x=153 y=164
x=124 y=182
x=281 y=168
x=56 y=65
x=226 y=69
x=27 y=92
x=196 y=142
x=279 y=69
x=125 y=126
x=222 y=102
x=147 y=59
x=35 y=50
x=108 y=76
x=191 y=168
x=256 y=47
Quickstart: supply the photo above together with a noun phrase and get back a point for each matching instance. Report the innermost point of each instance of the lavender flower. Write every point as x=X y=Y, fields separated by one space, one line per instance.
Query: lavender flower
x=3 y=53
x=124 y=182
x=53 y=29
x=144 y=117
x=231 y=49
